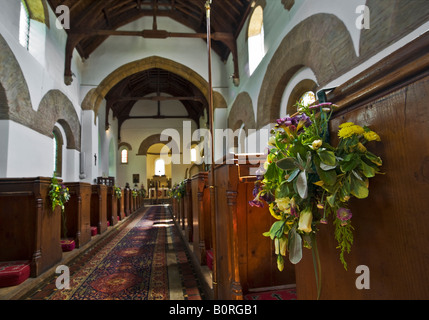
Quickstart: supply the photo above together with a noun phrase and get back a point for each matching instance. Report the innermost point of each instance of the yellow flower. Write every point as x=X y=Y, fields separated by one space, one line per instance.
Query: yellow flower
x=273 y=213
x=361 y=147
x=272 y=141
x=350 y=130
x=283 y=204
x=346 y=124
x=371 y=136
x=305 y=220
x=317 y=144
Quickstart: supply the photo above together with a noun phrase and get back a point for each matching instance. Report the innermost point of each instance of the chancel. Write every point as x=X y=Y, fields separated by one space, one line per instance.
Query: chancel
x=214 y=150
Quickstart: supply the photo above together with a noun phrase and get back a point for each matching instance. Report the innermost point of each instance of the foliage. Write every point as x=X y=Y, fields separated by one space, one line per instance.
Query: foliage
x=58 y=193
x=118 y=192
x=178 y=191
x=305 y=179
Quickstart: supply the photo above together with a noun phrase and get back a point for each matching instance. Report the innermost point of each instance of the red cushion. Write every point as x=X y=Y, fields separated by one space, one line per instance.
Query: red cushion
x=94 y=231
x=68 y=245
x=13 y=273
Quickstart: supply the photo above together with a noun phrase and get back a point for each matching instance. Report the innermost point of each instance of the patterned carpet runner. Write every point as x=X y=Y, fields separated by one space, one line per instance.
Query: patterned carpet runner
x=129 y=264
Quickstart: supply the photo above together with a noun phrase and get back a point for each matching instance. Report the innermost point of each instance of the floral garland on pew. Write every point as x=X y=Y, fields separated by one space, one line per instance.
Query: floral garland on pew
x=178 y=191
x=59 y=195
x=305 y=180
x=118 y=192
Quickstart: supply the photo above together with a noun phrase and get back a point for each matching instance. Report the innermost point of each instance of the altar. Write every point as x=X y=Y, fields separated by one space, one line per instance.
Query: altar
x=159 y=193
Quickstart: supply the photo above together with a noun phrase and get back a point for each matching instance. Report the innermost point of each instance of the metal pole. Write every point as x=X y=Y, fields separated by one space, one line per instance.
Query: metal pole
x=212 y=186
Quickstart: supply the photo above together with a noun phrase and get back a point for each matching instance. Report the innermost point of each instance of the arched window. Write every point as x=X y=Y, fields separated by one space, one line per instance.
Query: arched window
x=307 y=98
x=33 y=23
x=124 y=156
x=24 y=27
x=256 y=38
x=160 y=167
x=58 y=152
x=193 y=154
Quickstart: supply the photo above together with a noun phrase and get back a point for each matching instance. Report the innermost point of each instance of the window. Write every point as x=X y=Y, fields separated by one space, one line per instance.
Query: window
x=193 y=154
x=160 y=167
x=58 y=152
x=24 y=27
x=307 y=98
x=124 y=156
x=256 y=40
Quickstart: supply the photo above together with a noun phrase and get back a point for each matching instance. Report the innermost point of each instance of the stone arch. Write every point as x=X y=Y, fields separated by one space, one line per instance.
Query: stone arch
x=125 y=145
x=321 y=43
x=151 y=140
x=302 y=87
x=56 y=107
x=95 y=96
x=242 y=112
x=390 y=21
x=15 y=102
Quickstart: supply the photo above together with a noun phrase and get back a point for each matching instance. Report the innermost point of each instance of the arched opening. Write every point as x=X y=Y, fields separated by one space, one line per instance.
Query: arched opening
x=58 y=143
x=256 y=39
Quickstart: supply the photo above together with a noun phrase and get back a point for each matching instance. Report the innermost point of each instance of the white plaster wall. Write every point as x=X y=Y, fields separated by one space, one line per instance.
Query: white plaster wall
x=31 y=154
x=4 y=145
x=110 y=55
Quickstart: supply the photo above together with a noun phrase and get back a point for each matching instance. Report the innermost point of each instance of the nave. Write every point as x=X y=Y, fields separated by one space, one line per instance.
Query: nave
x=143 y=258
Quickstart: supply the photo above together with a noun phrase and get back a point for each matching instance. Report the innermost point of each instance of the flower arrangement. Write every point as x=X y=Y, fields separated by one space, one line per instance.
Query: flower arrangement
x=59 y=195
x=305 y=180
x=135 y=193
x=178 y=190
x=118 y=192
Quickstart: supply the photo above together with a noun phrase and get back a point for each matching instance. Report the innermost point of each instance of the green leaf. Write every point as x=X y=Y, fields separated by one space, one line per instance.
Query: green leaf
x=276 y=230
x=374 y=159
x=327 y=157
x=295 y=246
x=347 y=166
x=367 y=170
x=271 y=172
x=328 y=177
x=358 y=188
x=293 y=175
x=301 y=185
x=287 y=164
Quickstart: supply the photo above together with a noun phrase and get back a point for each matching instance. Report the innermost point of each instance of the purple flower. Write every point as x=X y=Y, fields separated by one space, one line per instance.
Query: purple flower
x=344 y=214
x=321 y=105
x=256 y=203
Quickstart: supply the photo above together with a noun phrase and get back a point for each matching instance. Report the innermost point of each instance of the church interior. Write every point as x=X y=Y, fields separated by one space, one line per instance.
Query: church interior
x=148 y=149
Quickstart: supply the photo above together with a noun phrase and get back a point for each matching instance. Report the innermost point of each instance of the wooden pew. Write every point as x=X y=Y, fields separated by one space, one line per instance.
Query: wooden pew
x=201 y=217
x=127 y=201
x=29 y=229
x=120 y=206
x=99 y=207
x=244 y=258
x=188 y=215
x=391 y=237
x=112 y=206
x=78 y=213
